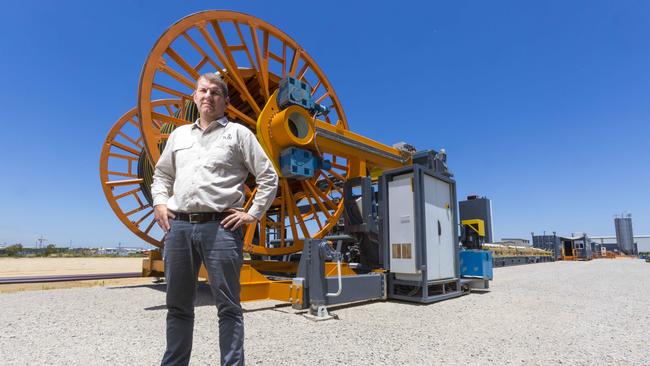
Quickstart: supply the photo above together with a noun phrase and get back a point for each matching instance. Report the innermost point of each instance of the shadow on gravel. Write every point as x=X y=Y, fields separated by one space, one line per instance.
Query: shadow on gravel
x=351 y=305
x=153 y=286
x=203 y=298
x=402 y=302
x=479 y=292
x=267 y=308
x=203 y=295
x=157 y=307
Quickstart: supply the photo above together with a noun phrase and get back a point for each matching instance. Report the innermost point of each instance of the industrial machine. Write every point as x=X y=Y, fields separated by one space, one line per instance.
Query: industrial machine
x=472 y=233
x=476 y=229
x=476 y=215
x=353 y=219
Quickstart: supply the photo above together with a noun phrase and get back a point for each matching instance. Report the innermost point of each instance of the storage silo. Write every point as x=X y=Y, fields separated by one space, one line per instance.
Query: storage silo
x=624 y=235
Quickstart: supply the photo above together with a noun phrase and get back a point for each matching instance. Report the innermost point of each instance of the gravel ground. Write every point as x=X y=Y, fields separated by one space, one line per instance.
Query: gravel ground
x=575 y=313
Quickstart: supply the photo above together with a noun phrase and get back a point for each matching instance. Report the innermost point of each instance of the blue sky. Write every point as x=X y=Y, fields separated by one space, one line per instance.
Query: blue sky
x=542 y=107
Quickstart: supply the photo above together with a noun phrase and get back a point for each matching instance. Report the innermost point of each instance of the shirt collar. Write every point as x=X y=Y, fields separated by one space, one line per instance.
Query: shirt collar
x=222 y=121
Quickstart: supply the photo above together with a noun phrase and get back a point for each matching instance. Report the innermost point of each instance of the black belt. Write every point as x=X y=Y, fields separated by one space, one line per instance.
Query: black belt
x=199 y=217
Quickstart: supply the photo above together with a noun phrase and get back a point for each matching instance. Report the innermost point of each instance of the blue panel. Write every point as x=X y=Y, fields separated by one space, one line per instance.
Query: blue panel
x=476 y=263
x=297 y=163
x=300 y=163
x=296 y=92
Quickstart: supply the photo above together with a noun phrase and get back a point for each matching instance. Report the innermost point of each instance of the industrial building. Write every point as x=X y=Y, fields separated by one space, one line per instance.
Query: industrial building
x=551 y=243
x=596 y=243
x=574 y=247
x=641 y=243
x=584 y=247
x=625 y=242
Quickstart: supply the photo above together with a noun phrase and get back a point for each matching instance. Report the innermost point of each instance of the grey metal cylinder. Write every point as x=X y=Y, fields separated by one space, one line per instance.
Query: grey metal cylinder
x=624 y=234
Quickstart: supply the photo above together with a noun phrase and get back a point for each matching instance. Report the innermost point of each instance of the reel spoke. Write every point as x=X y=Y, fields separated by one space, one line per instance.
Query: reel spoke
x=252 y=56
x=123 y=155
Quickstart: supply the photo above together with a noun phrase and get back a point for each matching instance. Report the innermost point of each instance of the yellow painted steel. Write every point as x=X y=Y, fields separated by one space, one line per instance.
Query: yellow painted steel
x=477 y=225
x=515 y=251
x=370 y=159
x=292 y=267
x=254 y=285
x=274 y=133
x=295 y=294
x=570 y=257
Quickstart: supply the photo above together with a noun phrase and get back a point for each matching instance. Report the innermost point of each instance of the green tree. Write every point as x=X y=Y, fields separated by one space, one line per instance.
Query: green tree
x=49 y=249
x=14 y=250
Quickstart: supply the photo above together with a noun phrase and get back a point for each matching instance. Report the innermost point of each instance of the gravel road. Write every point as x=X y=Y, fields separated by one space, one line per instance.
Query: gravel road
x=570 y=313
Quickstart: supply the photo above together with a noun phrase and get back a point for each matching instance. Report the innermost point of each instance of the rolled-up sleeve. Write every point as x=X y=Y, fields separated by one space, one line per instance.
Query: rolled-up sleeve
x=164 y=175
x=261 y=167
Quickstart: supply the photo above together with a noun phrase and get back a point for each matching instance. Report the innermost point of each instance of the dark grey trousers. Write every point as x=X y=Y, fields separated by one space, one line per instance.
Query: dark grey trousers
x=186 y=246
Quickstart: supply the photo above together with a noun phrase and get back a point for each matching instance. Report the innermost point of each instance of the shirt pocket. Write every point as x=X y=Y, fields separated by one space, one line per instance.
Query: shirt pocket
x=182 y=153
x=219 y=158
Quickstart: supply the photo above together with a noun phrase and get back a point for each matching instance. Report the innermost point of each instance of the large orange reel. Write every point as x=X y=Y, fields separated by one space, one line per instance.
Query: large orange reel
x=253 y=56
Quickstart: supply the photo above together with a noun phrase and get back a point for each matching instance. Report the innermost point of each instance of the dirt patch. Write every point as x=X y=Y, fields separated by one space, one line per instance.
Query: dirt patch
x=17 y=267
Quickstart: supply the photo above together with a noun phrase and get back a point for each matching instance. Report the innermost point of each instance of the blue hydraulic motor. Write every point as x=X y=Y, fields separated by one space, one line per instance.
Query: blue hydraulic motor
x=297 y=92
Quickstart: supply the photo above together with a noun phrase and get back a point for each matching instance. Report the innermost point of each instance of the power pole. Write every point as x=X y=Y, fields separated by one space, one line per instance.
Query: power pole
x=40 y=240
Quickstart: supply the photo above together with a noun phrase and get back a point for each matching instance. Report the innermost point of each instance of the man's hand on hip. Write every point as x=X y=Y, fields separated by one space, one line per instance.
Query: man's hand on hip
x=236 y=219
x=162 y=216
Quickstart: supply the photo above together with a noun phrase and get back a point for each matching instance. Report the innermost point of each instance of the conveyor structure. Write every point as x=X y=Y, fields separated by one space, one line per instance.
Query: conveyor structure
x=353 y=219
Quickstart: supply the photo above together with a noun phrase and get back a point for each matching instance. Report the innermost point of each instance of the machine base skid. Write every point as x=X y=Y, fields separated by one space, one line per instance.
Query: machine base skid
x=475 y=283
x=363 y=287
x=254 y=285
x=432 y=291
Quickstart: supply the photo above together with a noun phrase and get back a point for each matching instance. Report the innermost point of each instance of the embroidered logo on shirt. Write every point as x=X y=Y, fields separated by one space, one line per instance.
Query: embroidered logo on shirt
x=227 y=137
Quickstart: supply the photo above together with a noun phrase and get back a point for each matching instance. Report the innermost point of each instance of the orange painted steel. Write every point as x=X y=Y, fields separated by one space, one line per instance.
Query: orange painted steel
x=254 y=285
x=119 y=166
x=215 y=40
x=253 y=56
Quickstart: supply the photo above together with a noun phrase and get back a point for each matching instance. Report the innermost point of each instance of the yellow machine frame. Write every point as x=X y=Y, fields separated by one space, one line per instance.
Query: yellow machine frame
x=477 y=225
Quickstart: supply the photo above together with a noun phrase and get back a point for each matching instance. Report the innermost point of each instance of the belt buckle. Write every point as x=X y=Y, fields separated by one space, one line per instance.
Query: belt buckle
x=194 y=218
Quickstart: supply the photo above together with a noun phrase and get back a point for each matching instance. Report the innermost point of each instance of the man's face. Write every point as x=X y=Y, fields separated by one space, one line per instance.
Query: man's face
x=209 y=100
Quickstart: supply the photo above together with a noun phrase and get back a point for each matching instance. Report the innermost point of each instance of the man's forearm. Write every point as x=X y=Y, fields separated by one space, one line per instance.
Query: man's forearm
x=267 y=185
x=161 y=188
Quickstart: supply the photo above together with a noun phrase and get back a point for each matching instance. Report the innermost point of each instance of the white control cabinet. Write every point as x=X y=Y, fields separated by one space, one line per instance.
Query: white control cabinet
x=422 y=235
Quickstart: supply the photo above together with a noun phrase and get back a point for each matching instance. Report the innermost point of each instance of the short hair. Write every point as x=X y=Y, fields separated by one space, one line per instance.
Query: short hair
x=214 y=77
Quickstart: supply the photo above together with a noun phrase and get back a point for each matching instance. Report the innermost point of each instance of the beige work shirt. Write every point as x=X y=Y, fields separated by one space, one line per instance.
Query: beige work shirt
x=205 y=170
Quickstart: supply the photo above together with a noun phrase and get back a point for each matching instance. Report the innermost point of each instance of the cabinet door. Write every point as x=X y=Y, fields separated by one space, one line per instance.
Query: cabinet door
x=401 y=221
x=441 y=238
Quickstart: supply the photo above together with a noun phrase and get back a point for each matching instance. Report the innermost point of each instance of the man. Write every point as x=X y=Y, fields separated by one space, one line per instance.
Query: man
x=198 y=193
